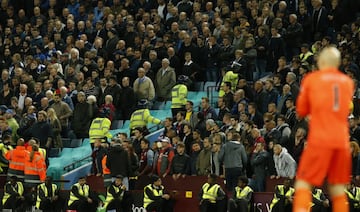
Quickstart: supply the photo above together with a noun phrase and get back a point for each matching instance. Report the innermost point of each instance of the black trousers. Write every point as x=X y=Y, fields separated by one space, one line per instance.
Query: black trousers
x=83 y=206
x=282 y=206
x=237 y=205
x=123 y=205
x=52 y=206
x=207 y=206
x=161 y=205
x=14 y=203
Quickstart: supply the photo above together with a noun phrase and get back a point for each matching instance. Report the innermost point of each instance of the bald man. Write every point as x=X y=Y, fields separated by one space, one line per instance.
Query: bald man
x=325 y=97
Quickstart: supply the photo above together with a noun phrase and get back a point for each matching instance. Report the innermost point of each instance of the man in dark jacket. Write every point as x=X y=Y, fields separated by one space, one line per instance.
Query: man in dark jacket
x=293 y=37
x=127 y=99
x=116 y=154
x=82 y=117
x=180 y=166
x=41 y=130
x=259 y=163
x=111 y=43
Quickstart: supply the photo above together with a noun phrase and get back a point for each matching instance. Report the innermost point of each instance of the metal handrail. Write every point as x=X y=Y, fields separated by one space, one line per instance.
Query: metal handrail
x=75 y=164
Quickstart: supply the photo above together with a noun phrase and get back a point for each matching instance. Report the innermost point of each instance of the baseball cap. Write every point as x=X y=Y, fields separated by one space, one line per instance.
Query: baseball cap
x=165 y=139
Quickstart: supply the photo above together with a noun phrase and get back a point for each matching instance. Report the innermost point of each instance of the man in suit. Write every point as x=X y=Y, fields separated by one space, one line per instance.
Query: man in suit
x=165 y=81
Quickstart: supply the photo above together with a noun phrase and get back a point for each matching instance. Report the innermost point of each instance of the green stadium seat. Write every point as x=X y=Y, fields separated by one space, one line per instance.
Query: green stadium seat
x=116 y=124
x=75 y=143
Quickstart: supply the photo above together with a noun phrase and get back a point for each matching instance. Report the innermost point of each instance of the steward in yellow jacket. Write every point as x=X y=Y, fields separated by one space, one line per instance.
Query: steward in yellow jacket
x=211 y=195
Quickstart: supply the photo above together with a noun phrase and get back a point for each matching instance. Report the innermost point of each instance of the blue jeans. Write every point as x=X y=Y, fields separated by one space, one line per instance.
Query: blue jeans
x=260 y=68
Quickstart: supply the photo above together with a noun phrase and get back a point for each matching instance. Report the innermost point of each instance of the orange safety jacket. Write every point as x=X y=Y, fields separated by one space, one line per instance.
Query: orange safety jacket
x=16 y=158
x=35 y=170
x=106 y=172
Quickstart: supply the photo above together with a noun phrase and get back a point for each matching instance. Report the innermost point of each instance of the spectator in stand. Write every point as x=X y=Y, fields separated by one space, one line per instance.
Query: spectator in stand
x=355 y=153
x=255 y=116
x=143 y=86
x=164 y=160
x=56 y=128
x=261 y=97
x=290 y=114
x=64 y=112
x=285 y=165
x=108 y=105
x=207 y=110
x=203 y=162
x=299 y=144
x=272 y=93
x=294 y=86
x=165 y=81
x=41 y=130
x=146 y=158
x=286 y=93
x=285 y=132
x=115 y=154
x=223 y=109
x=234 y=158
x=82 y=117
x=180 y=166
x=191 y=115
x=259 y=163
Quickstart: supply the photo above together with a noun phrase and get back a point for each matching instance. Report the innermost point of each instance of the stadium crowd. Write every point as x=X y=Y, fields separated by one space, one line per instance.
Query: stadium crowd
x=65 y=63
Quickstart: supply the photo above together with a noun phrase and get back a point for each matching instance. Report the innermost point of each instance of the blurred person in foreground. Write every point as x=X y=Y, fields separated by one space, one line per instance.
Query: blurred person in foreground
x=325 y=97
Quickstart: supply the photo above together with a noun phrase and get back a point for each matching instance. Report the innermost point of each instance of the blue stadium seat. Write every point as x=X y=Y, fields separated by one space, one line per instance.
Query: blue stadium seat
x=209 y=84
x=76 y=143
x=55 y=152
x=116 y=124
x=198 y=86
x=126 y=124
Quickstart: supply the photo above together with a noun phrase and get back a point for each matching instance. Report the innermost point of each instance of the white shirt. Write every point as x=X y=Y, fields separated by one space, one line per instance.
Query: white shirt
x=21 y=101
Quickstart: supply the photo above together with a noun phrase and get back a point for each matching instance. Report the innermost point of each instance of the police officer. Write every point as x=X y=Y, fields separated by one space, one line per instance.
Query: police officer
x=242 y=196
x=100 y=127
x=141 y=117
x=211 y=195
x=179 y=95
x=155 y=198
x=48 y=196
x=283 y=197
x=117 y=198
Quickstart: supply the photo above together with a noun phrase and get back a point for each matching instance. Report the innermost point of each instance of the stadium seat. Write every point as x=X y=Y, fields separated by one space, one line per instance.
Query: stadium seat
x=66 y=142
x=55 y=152
x=209 y=84
x=162 y=114
x=117 y=124
x=198 y=86
x=126 y=124
x=75 y=143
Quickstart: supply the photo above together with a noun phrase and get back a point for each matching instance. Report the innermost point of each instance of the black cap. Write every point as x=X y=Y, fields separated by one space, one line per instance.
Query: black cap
x=154 y=178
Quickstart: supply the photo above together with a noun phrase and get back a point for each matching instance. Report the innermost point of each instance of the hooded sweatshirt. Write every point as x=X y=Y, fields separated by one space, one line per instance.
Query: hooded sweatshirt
x=118 y=161
x=285 y=165
x=233 y=155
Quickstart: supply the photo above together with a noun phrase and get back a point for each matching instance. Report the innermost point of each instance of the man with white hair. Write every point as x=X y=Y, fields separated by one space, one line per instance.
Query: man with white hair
x=293 y=36
x=165 y=81
x=326 y=97
x=65 y=98
x=22 y=96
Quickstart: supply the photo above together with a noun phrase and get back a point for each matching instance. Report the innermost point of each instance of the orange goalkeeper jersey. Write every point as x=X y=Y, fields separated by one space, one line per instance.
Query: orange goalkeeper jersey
x=325 y=97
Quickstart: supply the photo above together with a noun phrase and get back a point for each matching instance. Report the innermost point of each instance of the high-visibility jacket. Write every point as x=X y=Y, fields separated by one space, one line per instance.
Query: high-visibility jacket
x=242 y=193
x=100 y=128
x=156 y=192
x=210 y=192
x=3 y=161
x=303 y=57
x=106 y=172
x=44 y=189
x=42 y=151
x=19 y=189
x=141 y=117
x=231 y=77
x=317 y=195
x=355 y=197
x=35 y=170
x=16 y=158
x=110 y=197
x=289 y=193
x=178 y=96
x=83 y=191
